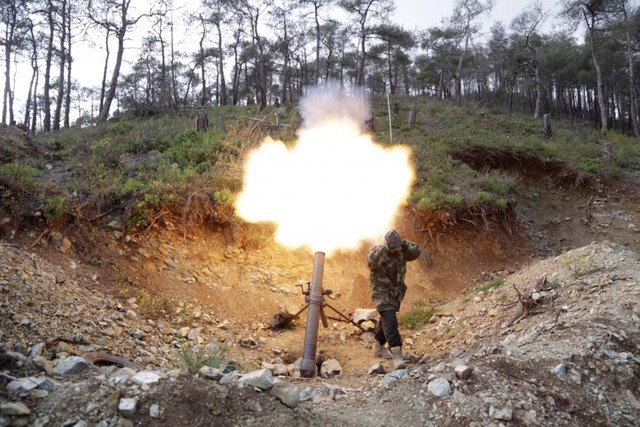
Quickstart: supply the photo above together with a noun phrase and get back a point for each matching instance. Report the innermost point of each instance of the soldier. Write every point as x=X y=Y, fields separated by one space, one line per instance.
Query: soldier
x=388 y=266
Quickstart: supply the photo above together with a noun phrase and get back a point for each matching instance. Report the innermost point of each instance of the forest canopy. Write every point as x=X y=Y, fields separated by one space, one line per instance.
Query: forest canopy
x=269 y=52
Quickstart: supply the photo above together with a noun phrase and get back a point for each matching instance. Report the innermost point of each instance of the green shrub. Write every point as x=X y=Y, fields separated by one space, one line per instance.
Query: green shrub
x=416 y=318
x=131 y=186
x=14 y=175
x=195 y=149
x=192 y=359
x=431 y=200
x=54 y=207
x=484 y=197
x=223 y=198
x=120 y=127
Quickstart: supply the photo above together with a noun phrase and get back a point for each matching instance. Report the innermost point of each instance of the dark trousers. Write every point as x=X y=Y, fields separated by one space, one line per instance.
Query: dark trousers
x=387 y=329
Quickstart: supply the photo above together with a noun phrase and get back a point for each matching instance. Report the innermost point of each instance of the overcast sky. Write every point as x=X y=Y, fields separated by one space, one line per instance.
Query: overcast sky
x=422 y=14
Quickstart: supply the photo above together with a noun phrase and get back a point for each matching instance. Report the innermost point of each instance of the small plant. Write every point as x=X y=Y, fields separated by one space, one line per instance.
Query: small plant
x=578 y=266
x=155 y=306
x=417 y=317
x=192 y=359
x=484 y=196
x=223 y=198
x=492 y=284
x=15 y=175
x=54 y=208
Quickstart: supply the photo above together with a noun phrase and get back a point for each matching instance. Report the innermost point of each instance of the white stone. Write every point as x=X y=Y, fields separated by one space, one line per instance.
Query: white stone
x=14 y=408
x=330 y=368
x=439 y=387
x=71 y=365
x=211 y=373
x=286 y=393
x=262 y=379
x=502 y=414
x=154 y=411
x=362 y=314
x=127 y=406
x=462 y=372
x=146 y=378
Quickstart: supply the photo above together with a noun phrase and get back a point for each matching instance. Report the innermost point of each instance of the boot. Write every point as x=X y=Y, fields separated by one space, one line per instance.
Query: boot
x=380 y=351
x=398 y=360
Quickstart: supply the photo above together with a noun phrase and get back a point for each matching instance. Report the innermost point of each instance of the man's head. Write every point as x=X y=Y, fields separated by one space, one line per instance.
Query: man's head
x=393 y=240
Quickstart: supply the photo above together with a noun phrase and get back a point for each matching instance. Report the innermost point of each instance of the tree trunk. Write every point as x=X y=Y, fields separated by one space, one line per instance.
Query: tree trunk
x=539 y=91
x=412 y=116
x=7 y=71
x=63 y=62
x=67 y=102
x=223 y=83
x=547 y=132
x=111 y=93
x=633 y=96
x=174 y=82
x=163 y=74
x=47 y=72
x=317 y=78
x=458 y=75
x=203 y=95
x=103 y=85
x=599 y=86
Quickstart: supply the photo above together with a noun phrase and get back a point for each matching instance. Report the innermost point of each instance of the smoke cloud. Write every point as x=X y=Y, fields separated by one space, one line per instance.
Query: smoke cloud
x=330 y=101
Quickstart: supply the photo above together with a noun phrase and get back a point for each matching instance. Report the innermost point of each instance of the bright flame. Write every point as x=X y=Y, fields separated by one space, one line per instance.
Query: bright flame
x=333 y=189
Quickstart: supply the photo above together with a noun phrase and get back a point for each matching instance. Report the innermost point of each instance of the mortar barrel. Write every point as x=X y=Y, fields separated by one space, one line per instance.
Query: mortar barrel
x=308 y=366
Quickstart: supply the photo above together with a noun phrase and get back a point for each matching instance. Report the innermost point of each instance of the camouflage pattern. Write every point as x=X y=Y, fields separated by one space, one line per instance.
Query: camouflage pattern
x=388 y=269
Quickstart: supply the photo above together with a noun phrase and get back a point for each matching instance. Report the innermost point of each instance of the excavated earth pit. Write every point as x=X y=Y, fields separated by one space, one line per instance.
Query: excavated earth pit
x=142 y=300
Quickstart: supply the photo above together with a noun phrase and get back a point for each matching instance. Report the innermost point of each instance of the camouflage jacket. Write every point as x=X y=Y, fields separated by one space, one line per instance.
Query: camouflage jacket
x=387 y=274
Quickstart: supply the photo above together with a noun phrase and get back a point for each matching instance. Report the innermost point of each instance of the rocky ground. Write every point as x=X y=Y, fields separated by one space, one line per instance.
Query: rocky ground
x=556 y=344
x=537 y=324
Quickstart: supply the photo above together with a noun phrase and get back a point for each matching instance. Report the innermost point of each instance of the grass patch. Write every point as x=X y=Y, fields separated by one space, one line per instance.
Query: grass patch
x=416 y=318
x=492 y=284
x=18 y=177
x=191 y=359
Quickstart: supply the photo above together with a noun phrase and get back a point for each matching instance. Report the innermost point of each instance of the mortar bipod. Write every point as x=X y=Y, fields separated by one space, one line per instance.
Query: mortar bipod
x=286 y=318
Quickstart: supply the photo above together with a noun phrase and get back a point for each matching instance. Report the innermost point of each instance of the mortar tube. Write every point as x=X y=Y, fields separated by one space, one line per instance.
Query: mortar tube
x=308 y=366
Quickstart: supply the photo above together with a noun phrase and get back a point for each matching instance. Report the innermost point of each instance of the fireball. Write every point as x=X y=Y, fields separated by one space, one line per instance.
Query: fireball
x=331 y=189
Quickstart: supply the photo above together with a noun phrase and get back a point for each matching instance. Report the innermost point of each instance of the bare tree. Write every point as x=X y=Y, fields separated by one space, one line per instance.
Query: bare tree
x=218 y=16
x=32 y=99
x=591 y=14
x=252 y=10
x=633 y=94
x=525 y=25
x=364 y=10
x=62 y=52
x=464 y=17
x=13 y=18
x=114 y=16
x=317 y=4
x=67 y=101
